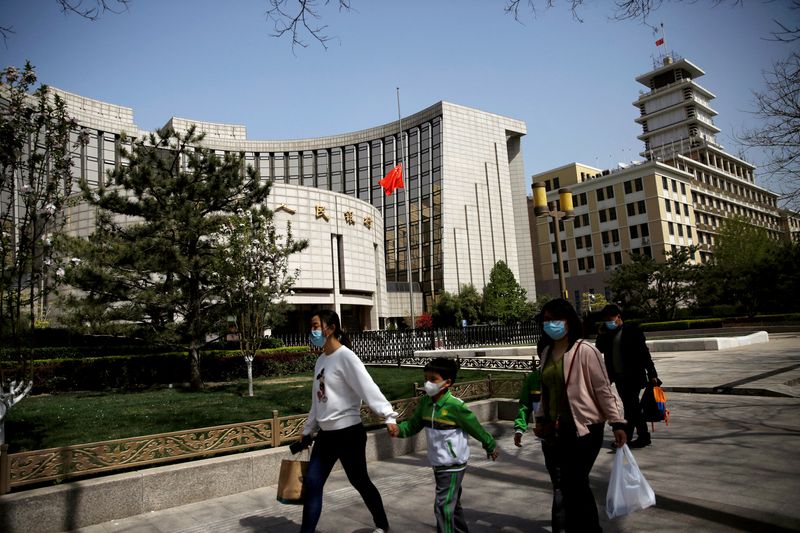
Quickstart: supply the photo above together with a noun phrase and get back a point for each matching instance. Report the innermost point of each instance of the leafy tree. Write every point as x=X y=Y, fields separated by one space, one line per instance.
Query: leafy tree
x=252 y=276
x=504 y=299
x=35 y=179
x=470 y=305
x=150 y=260
x=444 y=310
x=647 y=287
x=737 y=274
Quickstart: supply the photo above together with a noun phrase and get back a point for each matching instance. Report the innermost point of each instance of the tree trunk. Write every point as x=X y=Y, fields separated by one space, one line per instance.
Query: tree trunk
x=195 y=380
x=249 y=376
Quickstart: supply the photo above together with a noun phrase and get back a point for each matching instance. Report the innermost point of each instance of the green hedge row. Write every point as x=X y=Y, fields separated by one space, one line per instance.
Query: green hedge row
x=141 y=371
x=682 y=324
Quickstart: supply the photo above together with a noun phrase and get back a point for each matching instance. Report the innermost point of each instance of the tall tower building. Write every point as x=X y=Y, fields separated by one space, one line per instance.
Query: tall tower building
x=675 y=112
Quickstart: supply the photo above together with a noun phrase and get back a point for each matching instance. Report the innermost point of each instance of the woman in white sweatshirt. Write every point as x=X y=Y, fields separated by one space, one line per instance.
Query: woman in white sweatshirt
x=341 y=382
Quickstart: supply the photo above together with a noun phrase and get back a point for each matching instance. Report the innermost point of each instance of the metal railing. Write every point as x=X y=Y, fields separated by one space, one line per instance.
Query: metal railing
x=70 y=462
x=398 y=347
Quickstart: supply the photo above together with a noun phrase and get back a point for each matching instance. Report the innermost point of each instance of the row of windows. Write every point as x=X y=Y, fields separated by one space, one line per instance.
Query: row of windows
x=665 y=184
x=669 y=203
x=632 y=185
x=580 y=220
x=645 y=250
x=608 y=214
x=736 y=209
x=605 y=193
x=585 y=263
x=636 y=208
x=612 y=258
x=730 y=186
x=642 y=230
x=671 y=226
x=610 y=236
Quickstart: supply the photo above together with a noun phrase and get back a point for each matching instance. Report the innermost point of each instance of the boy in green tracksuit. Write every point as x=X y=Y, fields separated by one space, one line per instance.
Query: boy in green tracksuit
x=447 y=421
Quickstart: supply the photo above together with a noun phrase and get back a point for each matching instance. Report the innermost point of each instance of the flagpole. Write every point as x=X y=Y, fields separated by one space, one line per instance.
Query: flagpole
x=403 y=158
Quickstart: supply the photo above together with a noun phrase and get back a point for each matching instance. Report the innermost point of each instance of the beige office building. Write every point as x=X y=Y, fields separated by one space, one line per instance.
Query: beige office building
x=678 y=196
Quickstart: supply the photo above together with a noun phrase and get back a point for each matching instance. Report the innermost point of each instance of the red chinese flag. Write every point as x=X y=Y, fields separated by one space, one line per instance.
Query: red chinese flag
x=393 y=180
x=660 y=42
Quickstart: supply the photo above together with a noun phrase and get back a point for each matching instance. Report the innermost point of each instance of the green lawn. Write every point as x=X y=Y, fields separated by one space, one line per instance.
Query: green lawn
x=50 y=421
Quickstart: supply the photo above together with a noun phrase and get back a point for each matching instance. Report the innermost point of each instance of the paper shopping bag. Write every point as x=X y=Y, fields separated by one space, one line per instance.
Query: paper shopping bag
x=290 y=481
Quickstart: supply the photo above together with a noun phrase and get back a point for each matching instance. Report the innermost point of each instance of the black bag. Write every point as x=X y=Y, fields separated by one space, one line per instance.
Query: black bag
x=651 y=412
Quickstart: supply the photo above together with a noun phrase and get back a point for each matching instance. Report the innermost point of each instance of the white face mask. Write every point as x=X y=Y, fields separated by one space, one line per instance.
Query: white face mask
x=431 y=388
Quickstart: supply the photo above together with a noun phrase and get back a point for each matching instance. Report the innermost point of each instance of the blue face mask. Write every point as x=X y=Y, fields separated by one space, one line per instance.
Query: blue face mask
x=555 y=329
x=317 y=338
x=611 y=325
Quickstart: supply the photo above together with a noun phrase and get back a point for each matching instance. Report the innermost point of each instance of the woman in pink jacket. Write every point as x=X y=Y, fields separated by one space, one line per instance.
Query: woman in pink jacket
x=577 y=400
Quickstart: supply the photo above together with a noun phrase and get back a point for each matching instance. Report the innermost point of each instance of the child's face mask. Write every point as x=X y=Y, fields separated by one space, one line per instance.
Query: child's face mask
x=432 y=388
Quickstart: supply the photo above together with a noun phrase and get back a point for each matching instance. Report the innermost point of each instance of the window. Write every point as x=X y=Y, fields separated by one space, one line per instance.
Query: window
x=638 y=184
x=631 y=209
x=628 y=187
x=566 y=266
x=604 y=236
x=647 y=251
x=671 y=228
x=584 y=198
x=683 y=188
x=578 y=243
x=642 y=207
x=588 y=241
x=585 y=219
x=581 y=263
x=645 y=230
x=680 y=230
x=674 y=186
x=556 y=183
x=634 y=231
x=677 y=208
x=686 y=209
x=615 y=236
x=664 y=183
x=602 y=215
x=612 y=213
x=607 y=260
x=617 y=258
x=668 y=205
x=610 y=191
x=577 y=222
x=553 y=249
x=689 y=232
x=590 y=262
x=600 y=195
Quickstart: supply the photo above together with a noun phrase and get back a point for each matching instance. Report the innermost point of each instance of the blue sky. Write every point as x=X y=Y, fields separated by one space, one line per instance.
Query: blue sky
x=571 y=82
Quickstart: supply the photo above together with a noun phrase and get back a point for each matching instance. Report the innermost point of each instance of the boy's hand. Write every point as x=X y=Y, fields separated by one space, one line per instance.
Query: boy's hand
x=518 y=440
x=492 y=455
x=393 y=430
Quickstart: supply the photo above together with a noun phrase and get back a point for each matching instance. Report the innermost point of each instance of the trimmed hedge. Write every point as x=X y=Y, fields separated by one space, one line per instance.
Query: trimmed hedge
x=141 y=371
x=682 y=324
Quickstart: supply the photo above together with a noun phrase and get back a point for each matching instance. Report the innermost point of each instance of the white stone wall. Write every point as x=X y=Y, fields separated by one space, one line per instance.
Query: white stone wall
x=484 y=212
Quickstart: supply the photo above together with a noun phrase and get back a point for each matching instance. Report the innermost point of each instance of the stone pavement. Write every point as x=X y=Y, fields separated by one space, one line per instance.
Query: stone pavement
x=728 y=461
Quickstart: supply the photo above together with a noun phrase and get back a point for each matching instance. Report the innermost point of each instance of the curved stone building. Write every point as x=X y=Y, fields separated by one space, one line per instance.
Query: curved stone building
x=463 y=206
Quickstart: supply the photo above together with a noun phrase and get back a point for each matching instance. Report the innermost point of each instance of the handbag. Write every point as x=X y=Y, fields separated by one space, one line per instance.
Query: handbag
x=290 y=481
x=628 y=490
x=654 y=405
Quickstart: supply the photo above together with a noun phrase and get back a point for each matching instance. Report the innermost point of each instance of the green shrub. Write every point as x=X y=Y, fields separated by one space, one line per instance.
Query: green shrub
x=146 y=370
x=682 y=324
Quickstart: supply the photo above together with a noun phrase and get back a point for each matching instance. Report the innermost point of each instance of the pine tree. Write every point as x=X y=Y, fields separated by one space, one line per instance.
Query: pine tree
x=148 y=266
x=504 y=300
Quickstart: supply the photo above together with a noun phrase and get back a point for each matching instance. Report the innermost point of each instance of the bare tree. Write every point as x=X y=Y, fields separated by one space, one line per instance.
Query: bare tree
x=88 y=9
x=779 y=135
x=303 y=16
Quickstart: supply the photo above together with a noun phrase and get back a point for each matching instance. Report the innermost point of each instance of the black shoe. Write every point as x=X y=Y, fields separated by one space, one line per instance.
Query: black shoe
x=641 y=442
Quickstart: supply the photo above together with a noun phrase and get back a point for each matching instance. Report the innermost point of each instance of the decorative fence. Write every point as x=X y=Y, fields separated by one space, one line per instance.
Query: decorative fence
x=59 y=464
x=398 y=347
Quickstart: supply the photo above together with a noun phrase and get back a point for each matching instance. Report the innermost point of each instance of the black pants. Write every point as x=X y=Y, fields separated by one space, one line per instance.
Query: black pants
x=571 y=458
x=629 y=394
x=347 y=445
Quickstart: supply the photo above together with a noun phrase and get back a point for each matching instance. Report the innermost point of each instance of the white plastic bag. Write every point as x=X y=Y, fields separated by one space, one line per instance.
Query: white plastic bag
x=628 y=490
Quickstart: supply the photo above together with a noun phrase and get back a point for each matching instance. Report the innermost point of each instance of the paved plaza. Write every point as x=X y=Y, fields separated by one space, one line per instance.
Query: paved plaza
x=728 y=461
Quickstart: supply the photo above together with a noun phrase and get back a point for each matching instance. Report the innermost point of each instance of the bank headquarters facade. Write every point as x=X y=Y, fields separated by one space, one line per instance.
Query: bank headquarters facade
x=463 y=207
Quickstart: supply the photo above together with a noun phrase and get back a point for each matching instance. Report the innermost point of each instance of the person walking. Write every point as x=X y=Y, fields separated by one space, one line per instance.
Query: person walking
x=448 y=424
x=577 y=400
x=629 y=367
x=340 y=383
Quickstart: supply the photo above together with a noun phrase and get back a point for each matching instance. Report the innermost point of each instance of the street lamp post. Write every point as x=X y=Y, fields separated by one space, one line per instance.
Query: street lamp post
x=561 y=211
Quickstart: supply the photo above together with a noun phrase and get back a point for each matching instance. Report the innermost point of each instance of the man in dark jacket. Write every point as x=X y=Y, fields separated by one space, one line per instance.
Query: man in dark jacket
x=629 y=366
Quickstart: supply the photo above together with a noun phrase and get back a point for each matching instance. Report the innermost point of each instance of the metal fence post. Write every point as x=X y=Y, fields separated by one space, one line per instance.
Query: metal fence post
x=276 y=429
